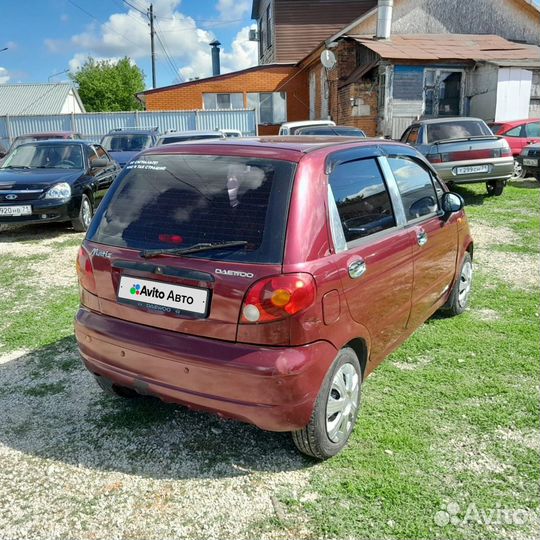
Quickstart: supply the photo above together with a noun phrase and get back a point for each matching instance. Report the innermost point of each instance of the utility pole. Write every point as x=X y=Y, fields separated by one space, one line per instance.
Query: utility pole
x=153 y=50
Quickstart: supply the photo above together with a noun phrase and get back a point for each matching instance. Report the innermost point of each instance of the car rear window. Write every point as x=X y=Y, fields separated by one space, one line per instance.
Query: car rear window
x=185 y=138
x=126 y=142
x=177 y=201
x=456 y=130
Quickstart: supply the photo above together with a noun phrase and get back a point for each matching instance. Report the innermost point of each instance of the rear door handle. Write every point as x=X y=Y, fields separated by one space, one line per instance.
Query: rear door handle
x=421 y=237
x=357 y=268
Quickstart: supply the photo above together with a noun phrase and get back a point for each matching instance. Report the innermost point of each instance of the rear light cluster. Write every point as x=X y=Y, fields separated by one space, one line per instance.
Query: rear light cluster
x=464 y=155
x=278 y=297
x=85 y=271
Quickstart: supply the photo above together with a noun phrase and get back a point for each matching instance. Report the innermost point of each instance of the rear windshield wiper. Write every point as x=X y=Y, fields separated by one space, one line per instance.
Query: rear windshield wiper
x=204 y=246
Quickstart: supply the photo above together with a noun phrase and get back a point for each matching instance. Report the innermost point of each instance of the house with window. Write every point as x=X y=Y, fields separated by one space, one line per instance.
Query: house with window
x=395 y=60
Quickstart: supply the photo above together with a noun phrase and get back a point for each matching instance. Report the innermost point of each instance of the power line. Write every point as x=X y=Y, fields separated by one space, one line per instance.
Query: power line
x=172 y=63
x=134 y=7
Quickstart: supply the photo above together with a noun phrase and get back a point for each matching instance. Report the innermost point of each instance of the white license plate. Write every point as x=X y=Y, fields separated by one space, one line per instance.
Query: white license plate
x=21 y=210
x=163 y=297
x=530 y=162
x=472 y=169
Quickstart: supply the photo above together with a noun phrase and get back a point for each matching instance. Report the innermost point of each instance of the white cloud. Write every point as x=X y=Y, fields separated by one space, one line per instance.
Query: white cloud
x=80 y=58
x=233 y=9
x=126 y=34
x=4 y=75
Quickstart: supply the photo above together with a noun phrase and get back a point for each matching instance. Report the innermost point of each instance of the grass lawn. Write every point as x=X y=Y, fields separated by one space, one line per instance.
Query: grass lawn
x=447 y=444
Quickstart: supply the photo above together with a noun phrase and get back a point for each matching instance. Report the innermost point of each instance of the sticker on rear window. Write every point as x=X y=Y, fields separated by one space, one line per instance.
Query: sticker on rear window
x=145 y=165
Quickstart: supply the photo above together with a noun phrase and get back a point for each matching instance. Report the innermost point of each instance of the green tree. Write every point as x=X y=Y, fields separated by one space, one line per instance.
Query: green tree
x=105 y=85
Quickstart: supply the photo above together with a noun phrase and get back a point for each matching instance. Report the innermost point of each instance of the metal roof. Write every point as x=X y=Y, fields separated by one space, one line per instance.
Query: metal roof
x=436 y=47
x=26 y=99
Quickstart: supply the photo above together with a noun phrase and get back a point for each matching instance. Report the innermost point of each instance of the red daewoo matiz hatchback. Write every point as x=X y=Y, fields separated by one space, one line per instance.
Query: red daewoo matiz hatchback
x=264 y=279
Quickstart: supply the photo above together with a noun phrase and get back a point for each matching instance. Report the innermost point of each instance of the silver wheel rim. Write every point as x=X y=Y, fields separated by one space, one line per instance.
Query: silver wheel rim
x=518 y=170
x=86 y=212
x=342 y=403
x=465 y=282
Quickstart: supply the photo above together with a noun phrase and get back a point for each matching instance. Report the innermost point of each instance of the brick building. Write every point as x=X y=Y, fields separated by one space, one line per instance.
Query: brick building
x=380 y=82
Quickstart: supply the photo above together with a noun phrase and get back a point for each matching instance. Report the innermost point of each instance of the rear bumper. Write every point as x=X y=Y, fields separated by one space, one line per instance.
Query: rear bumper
x=498 y=169
x=273 y=388
x=532 y=169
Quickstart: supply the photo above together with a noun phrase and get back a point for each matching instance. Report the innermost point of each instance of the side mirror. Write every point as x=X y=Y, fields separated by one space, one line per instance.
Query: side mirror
x=98 y=163
x=452 y=202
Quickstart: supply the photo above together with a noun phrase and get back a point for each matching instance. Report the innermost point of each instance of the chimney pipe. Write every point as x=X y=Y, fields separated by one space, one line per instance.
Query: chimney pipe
x=384 y=19
x=215 y=57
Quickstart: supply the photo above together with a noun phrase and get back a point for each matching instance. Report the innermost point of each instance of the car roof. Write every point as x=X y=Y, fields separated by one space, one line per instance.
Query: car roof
x=510 y=123
x=291 y=147
x=56 y=141
x=308 y=123
x=447 y=119
x=48 y=134
x=189 y=133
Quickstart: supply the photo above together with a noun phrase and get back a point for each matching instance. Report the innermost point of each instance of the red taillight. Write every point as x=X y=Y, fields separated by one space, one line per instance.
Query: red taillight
x=278 y=297
x=434 y=158
x=85 y=271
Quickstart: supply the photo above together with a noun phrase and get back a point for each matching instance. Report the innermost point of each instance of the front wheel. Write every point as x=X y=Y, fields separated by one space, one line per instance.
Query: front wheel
x=336 y=409
x=82 y=221
x=459 y=297
x=519 y=171
x=495 y=187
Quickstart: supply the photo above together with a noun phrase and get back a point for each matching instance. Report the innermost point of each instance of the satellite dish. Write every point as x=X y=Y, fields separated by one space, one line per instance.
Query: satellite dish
x=328 y=59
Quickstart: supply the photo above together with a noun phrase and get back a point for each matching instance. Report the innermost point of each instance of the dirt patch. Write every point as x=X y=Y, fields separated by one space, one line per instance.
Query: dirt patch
x=520 y=270
x=412 y=364
x=485 y=314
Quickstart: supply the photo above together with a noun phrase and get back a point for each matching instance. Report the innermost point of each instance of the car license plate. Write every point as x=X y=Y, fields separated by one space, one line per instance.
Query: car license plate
x=164 y=297
x=472 y=169
x=21 y=210
x=530 y=162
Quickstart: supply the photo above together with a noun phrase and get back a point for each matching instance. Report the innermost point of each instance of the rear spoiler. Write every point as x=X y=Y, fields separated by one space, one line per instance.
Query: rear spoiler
x=473 y=138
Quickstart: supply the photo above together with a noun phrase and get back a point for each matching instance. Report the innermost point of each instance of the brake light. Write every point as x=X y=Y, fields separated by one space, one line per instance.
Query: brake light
x=434 y=158
x=278 y=297
x=85 y=271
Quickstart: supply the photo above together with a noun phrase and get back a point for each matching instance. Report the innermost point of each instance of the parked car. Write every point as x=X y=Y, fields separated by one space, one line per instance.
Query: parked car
x=518 y=134
x=463 y=151
x=43 y=136
x=279 y=274
x=174 y=136
x=54 y=180
x=123 y=144
x=529 y=160
x=330 y=131
x=290 y=128
x=3 y=151
x=231 y=133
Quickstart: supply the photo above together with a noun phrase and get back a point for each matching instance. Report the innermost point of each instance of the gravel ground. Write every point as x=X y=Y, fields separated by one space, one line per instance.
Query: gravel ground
x=78 y=464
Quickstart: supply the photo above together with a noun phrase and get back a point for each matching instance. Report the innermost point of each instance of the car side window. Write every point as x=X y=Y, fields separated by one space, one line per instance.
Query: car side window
x=101 y=154
x=415 y=186
x=533 y=129
x=92 y=155
x=362 y=199
x=412 y=137
x=514 y=132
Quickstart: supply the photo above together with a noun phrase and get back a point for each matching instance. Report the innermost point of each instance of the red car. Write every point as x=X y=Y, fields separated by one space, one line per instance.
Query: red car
x=264 y=279
x=518 y=133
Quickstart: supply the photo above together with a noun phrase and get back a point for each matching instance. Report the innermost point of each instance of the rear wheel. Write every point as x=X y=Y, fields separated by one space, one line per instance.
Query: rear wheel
x=82 y=221
x=459 y=297
x=495 y=187
x=115 y=390
x=336 y=409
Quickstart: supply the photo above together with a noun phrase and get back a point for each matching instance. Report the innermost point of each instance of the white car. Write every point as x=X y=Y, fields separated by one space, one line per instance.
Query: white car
x=289 y=128
x=231 y=132
x=173 y=136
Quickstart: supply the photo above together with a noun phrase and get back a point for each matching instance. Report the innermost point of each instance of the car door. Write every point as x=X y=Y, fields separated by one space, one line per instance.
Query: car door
x=104 y=175
x=435 y=237
x=516 y=139
x=374 y=252
x=532 y=132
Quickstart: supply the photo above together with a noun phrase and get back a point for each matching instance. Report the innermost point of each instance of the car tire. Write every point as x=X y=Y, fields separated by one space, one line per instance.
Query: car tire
x=495 y=187
x=115 y=390
x=328 y=432
x=519 y=171
x=86 y=211
x=459 y=297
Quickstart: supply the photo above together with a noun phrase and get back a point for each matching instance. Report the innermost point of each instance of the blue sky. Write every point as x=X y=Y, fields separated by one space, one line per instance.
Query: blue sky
x=45 y=37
